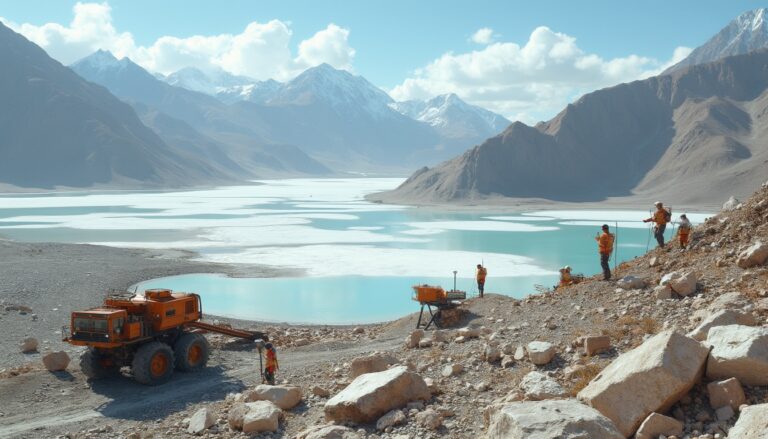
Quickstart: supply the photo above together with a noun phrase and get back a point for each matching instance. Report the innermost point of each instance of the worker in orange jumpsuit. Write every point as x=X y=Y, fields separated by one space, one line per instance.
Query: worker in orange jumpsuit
x=605 y=248
x=482 y=272
x=661 y=217
x=565 y=276
x=684 y=231
x=272 y=366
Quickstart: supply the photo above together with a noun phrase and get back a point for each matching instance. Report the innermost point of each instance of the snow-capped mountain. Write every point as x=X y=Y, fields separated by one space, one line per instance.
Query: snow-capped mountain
x=339 y=89
x=746 y=33
x=209 y=83
x=258 y=92
x=453 y=117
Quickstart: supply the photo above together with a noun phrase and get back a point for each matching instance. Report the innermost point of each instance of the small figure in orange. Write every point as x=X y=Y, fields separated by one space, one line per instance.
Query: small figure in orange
x=684 y=231
x=605 y=248
x=482 y=272
x=565 y=276
x=272 y=366
x=660 y=218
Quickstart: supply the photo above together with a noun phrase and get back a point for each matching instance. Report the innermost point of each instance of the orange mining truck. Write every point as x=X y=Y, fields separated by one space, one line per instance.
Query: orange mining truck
x=153 y=334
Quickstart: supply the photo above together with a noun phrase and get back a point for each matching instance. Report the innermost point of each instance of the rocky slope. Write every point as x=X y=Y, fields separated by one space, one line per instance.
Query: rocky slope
x=557 y=361
x=746 y=33
x=57 y=129
x=687 y=137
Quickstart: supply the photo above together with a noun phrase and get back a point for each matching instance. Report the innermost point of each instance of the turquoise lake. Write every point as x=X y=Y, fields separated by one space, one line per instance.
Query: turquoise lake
x=357 y=260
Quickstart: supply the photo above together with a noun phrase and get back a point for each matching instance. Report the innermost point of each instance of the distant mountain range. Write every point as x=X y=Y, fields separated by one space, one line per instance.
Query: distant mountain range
x=746 y=33
x=57 y=129
x=689 y=136
x=324 y=114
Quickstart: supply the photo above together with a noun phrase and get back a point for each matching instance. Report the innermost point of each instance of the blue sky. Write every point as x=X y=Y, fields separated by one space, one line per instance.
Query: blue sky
x=390 y=42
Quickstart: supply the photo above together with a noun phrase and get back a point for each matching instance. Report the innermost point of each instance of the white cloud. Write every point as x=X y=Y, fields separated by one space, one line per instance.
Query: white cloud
x=261 y=50
x=482 y=36
x=528 y=82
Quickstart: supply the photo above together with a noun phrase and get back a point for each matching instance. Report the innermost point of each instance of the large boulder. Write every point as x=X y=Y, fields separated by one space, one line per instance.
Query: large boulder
x=752 y=423
x=373 y=394
x=540 y=352
x=56 y=361
x=328 y=432
x=656 y=425
x=647 y=379
x=756 y=254
x=367 y=364
x=202 y=420
x=681 y=282
x=732 y=204
x=738 y=351
x=565 y=418
x=262 y=416
x=285 y=397
x=538 y=386
x=723 y=317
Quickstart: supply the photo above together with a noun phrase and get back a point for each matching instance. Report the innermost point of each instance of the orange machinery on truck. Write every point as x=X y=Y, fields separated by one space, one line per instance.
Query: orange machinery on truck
x=153 y=334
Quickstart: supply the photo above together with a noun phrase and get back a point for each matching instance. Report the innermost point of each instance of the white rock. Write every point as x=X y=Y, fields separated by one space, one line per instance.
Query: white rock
x=727 y=392
x=429 y=419
x=262 y=416
x=367 y=364
x=731 y=204
x=647 y=379
x=656 y=425
x=538 y=386
x=328 y=432
x=425 y=342
x=202 y=420
x=754 y=255
x=413 y=339
x=519 y=353
x=547 y=420
x=491 y=354
x=28 y=345
x=56 y=361
x=507 y=361
x=721 y=318
x=681 y=282
x=752 y=423
x=450 y=370
x=390 y=419
x=631 y=283
x=738 y=351
x=541 y=352
x=285 y=397
x=468 y=332
x=371 y=395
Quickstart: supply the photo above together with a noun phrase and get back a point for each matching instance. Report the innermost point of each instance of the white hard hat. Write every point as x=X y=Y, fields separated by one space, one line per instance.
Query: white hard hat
x=658 y=203
x=567 y=268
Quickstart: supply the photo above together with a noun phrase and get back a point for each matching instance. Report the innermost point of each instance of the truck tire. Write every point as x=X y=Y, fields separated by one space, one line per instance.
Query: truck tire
x=92 y=366
x=153 y=363
x=191 y=352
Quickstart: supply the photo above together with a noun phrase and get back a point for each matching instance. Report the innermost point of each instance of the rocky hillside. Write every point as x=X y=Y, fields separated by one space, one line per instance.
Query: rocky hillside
x=57 y=129
x=650 y=354
x=687 y=137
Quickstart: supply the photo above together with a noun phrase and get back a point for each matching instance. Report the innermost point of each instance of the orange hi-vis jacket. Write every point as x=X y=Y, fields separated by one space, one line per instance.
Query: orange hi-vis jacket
x=271 y=360
x=482 y=273
x=565 y=278
x=605 y=243
x=659 y=217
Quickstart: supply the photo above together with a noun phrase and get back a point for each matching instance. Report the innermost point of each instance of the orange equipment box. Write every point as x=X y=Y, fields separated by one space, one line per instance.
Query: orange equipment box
x=428 y=293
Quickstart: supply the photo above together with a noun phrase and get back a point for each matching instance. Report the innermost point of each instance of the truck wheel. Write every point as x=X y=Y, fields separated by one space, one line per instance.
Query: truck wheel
x=191 y=352
x=92 y=365
x=153 y=363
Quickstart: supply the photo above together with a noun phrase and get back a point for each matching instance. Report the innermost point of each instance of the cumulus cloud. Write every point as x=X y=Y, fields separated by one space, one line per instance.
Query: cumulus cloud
x=528 y=82
x=261 y=50
x=482 y=36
